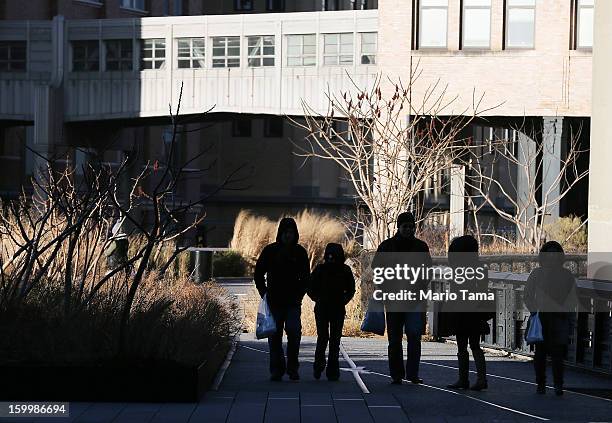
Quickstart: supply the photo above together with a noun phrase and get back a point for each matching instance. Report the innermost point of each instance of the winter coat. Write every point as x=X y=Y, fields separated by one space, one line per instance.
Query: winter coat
x=419 y=257
x=332 y=284
x=551 y=291
x=283 y=271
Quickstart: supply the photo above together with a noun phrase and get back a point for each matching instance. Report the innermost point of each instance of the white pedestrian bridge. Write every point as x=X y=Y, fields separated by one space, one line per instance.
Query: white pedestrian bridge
x=131 y=68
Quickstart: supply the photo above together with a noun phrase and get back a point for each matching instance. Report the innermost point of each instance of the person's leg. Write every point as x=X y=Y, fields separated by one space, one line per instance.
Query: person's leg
x=275 y=346
x=322 y=321
x=557 y=353
x=293 y=328
x=481 y=364
x=395 y=333
x=413 y=335
x=336 y=323
x=539 y=364
x=463 y=359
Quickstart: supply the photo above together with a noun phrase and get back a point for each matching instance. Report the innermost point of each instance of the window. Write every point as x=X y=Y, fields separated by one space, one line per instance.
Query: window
x=585 y=24
x=243 y=5
x=119 y=55
x=338 y=49
x=226 y=52
x=275 y=5
x=13 y=56
x=191 y=53
x=153 y=53
x=368 y=48
x=520 y=24
x=301 y=50
x=133 y=4
x=433 y=19
x=85 y=56
x=273 y=127
x=476 y=28
x=241 y=127
x=261 y=51
x=332 y=5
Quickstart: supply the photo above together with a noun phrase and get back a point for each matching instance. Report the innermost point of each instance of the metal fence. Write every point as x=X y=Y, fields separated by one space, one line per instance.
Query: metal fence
x=591 y=338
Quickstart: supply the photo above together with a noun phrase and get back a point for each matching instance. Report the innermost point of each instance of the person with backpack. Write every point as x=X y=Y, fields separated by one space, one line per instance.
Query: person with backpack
x=282 y=274
x=332 y=288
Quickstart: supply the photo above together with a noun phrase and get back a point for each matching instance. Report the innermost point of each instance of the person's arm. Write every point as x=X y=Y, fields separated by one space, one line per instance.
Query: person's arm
x=349 y=290
x=261 y=268
x=529 y=293
x=303 y=272
x=314 y=287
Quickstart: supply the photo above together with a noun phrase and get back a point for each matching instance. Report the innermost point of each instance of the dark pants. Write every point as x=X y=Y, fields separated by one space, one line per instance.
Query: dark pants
x=399 y=323
x=287 y=318
x=329 y=329
x=556 y=353
x=464 y=357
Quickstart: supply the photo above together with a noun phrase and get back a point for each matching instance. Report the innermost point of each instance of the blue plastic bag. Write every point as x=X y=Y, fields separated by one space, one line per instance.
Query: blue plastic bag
x=533 y=334
x=266 y=325
x=374 y=320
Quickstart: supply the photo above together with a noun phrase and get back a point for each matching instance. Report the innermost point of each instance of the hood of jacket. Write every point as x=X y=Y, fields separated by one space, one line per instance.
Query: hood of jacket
x=284 y=224
x=334 y=250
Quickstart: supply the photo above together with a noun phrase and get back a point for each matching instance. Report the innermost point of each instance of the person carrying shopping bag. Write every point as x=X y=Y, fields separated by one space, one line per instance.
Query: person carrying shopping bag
x=332 y=287
x=551 y=293
x=281 y=275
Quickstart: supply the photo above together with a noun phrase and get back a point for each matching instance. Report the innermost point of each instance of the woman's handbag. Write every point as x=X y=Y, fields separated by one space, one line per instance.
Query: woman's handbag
x=534 y=334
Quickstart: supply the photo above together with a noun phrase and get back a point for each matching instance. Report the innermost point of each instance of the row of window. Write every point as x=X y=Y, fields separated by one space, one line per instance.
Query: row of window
x=476 y=23
x=226 y=52
x=279 y=5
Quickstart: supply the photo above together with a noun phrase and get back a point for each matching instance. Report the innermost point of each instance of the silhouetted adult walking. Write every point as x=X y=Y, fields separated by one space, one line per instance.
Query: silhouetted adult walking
x=332 y=287
x=282 y=272
x=400 y=321
x=551 y=292
x=469 y=320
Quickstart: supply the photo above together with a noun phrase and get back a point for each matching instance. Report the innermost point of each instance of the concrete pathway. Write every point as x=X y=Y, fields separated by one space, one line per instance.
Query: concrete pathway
x=247 y=395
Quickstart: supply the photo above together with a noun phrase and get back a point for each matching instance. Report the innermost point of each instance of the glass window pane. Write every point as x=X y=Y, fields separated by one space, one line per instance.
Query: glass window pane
x=309 y=61
x=331 y=39
x=310 y=40
x=233 y=42
x=585 y=28
x=294 y=40
x=346 y=60
x=233 y=63
x=330 y=60
x=160 y=53
x=183 y=64
x=218 y=42
x=233 y=51
x=294 y=61
x=521 y=2
x=521 y=27
x=346 y=48
x=218 y=51
x=199 y=51
x=268 y=61
x=433 y=28
x=477 y=28
x=254 y=51
x=331 y=49
x=255 y=62
x=481 y=3
x=199 y=43
x=294 y=50
x=310 y=49
x=183 y=44
x=346 y=38
x=268 y=51
x=426 y=3
x=269 y=41
x=218 y=63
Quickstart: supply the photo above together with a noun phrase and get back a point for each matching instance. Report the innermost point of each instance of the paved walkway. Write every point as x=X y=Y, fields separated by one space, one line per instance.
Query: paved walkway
x=246 y=394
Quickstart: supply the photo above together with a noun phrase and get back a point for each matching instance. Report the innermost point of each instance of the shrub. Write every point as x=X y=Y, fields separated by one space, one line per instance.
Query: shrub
x=570 y=232
x=229 y=263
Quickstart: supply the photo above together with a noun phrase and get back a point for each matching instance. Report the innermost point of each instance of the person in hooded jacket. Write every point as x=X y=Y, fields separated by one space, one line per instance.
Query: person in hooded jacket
x=404 y=317
x=468 y=326
x=282 y=274
x=551 y=292
x=332 y=287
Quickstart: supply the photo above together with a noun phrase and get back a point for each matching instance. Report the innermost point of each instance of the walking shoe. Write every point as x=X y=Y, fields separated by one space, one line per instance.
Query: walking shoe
x=558 y=390
x=460 y=384
x=416 y=380
x=480 y=385
x=541 y=389
x=295 y=376
x=396 y=381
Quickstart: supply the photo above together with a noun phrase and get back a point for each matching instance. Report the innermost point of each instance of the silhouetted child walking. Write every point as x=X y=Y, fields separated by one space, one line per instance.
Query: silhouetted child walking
x=332 y=287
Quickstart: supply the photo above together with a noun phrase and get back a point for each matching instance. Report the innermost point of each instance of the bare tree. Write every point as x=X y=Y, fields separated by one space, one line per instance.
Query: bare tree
x=531 y=200
x=388 y=146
